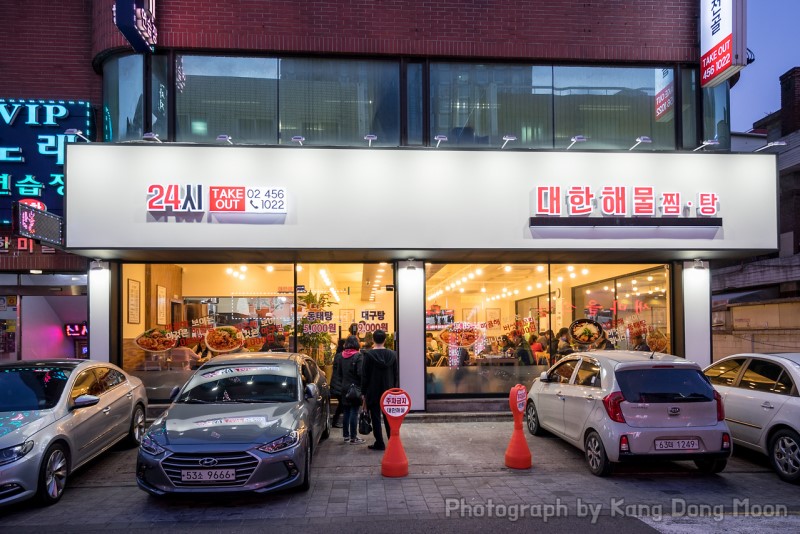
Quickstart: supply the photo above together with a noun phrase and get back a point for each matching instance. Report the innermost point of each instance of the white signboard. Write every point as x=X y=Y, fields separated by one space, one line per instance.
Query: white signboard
x=723 y=40
x=415 y=199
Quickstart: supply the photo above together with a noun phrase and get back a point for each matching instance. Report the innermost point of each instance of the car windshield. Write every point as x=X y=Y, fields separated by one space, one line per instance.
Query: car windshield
x=664 y=385
x=243 y=384
x=31 y=388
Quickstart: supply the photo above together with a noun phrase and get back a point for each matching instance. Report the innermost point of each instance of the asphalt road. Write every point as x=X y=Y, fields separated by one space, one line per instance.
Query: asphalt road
x=457 y=483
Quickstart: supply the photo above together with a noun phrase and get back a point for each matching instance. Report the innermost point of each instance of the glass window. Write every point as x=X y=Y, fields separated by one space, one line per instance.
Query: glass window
x=226 y=96
x=414 y=113
x=563 y=372
x=689 y=107
x=159 y=96
x=588 y=374
x=109 y=377
x=761 y=375
x=86 y=384
x=717 y=116
x=478 y=105
x=339 y=102
x=784 y=384
x=664 y=385
x=725 y=373
x=123 y=106
x=613 y=106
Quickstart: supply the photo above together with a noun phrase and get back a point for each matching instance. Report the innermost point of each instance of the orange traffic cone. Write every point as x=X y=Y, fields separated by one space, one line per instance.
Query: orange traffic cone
x=518 y=454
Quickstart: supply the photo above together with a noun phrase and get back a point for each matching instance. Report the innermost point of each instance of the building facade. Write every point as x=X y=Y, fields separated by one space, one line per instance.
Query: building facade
x=449 y=173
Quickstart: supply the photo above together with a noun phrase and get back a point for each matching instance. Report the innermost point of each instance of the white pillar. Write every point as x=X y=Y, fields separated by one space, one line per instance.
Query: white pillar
x=697 y=313
x=411 y=330
x=99 y=293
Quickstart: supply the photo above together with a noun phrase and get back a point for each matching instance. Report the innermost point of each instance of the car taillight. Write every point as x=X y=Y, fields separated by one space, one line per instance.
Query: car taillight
x=720 y=407
x=624 y=446
x=726 y=441
x=612 y=403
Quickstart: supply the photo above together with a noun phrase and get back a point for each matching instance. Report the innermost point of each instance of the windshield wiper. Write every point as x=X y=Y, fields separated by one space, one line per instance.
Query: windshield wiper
x=192 y=401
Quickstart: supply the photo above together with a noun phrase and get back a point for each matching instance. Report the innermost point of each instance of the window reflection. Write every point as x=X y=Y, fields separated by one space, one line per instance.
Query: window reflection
x=485 y=322
x=123 y=107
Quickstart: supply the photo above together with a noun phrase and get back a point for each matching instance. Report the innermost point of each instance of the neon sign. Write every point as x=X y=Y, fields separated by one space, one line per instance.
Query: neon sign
x=76 y=330
x=136 y=19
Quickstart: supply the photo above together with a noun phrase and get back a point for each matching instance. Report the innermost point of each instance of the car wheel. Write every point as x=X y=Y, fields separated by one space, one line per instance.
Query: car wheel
x=137 y=427
x=711 y=467
x=306 y=485
x=784 y=453
x=326 y=432
x=532 y=420
x=596 y=456
x=53 y=474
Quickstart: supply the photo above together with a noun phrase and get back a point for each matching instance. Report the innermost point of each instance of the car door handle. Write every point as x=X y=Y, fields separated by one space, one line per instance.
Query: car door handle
x=560 y=396
x=767 y=404
x=589 y=397
x=106 y=410
x=129 y=395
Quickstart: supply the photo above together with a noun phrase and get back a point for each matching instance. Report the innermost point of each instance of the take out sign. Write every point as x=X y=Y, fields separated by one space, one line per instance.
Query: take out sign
x=192 y=198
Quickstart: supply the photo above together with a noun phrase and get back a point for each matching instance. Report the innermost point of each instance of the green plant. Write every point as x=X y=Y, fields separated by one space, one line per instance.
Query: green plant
x=313 y=339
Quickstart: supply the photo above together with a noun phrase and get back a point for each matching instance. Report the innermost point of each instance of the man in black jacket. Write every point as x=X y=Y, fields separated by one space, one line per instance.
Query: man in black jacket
x=381 y=373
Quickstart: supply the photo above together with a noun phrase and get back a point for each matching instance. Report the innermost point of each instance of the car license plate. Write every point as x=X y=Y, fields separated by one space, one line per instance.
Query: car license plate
x=677 y=444
x=207 y=475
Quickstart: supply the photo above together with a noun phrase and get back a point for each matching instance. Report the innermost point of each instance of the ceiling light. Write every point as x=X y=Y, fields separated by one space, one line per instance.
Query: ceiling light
x=649 y=278
x=539 y=268
x=584 y=271
x=471 y=276
x=507 y=268
x=539 y=285
x=463 y=278
x=572 y=275
x=588 y=292
x=461 y=290
x=270 y=268
x=529 y=288
x=299 y=268
x=479 y=271
x=633 y=282
x=228 y=270
x=483 y=290
x=560 y=279
x=570 y=268
x=243 y=268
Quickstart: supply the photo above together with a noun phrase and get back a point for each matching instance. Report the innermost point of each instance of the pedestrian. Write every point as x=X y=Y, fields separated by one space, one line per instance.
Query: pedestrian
x=336 y=384
x=523 y=352
x=638 y=343
x=381 y=373
x=350 y=375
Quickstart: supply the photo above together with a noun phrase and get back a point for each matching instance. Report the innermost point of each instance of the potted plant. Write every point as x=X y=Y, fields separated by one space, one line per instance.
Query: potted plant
x=315 y=340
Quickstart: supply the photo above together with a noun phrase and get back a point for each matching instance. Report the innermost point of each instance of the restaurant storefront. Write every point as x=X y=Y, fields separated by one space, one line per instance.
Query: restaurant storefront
x=448 y=251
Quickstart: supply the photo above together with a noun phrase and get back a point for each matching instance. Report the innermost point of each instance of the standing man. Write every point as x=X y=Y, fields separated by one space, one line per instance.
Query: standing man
x=381 y=373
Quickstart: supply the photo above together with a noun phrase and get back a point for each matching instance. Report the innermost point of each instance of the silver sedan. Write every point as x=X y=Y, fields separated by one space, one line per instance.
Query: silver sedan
x=56 y=415
x=243 y=422
x=762 y=405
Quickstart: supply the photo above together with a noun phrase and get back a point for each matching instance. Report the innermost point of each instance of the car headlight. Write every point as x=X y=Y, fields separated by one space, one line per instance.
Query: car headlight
x=151 y=446
x=12 y=454
x=289 y=440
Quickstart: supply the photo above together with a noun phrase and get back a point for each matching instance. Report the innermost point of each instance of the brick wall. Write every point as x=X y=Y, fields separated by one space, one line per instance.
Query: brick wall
x=790 y=101
x=584 y=30
x=47 y=51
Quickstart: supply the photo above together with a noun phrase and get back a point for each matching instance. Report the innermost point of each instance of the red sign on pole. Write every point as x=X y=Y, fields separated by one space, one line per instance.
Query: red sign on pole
x=518 y=454
x=395 y=404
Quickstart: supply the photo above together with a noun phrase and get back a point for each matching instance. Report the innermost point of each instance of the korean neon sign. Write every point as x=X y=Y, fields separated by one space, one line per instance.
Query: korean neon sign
x=622 y=201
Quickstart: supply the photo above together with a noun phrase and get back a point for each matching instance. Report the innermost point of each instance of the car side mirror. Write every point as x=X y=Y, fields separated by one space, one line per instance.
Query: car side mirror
x=311 y=391
x=84 y=401
x=543 y=377
x=174 y=393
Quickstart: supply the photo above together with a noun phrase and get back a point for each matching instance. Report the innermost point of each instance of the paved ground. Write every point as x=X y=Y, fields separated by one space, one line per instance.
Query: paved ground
x=457 y=483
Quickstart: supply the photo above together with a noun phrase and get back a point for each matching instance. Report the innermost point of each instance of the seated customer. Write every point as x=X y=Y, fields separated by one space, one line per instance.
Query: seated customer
x=276 y=344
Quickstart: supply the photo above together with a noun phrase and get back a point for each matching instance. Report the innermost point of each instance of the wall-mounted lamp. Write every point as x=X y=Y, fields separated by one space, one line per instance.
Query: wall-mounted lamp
x=298 y=139
x=77 y=133
x=770 y=144
x=370 y=138
x=577 y=139
x=507 y=139
x=222 y=138
x=707 y=142
x=97 y=265
x=150 y=136
x=640 y=140
x=439 y=138
x=411 y=266
x=698 y=264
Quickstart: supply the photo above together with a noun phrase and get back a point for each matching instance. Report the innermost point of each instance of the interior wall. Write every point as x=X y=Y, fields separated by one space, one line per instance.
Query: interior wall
x=136 y=272
x=43 y=320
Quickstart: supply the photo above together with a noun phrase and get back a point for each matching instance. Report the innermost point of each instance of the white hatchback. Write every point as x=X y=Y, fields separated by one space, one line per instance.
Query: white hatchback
x=762 y=405
x=620 y=406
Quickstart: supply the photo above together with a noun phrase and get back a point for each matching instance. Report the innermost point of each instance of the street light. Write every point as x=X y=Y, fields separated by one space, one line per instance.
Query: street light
x=707 y=142
x=77 y=133
x=640 y=140
x=577 y=139
x=506 y=139
x=770 y=144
